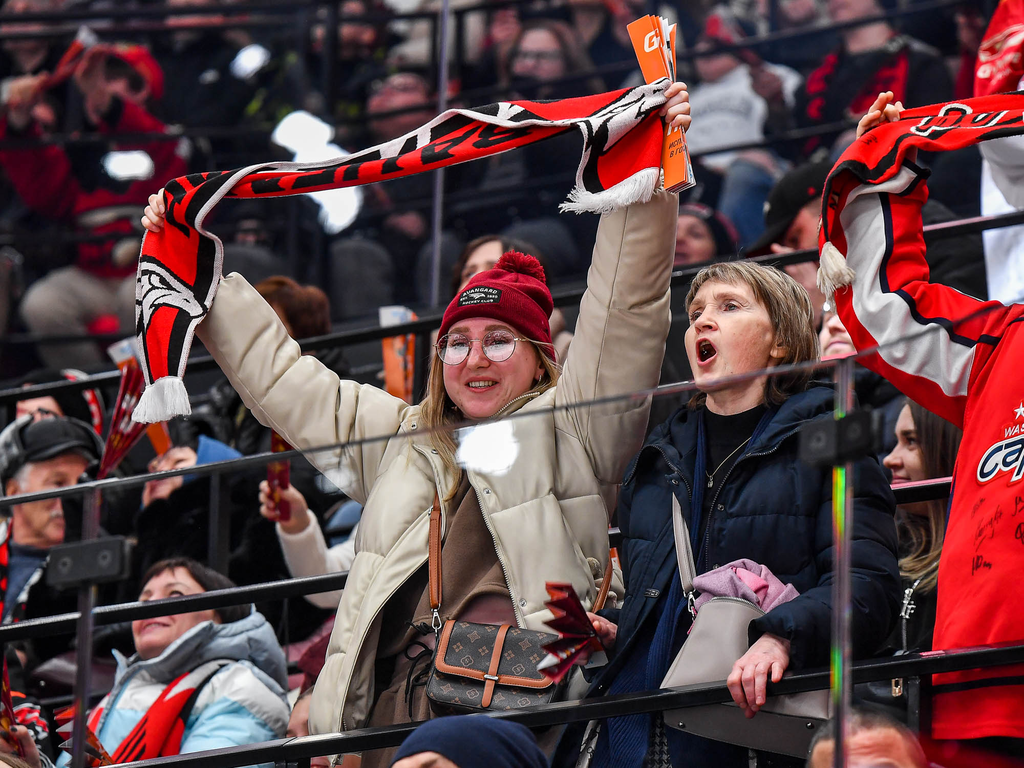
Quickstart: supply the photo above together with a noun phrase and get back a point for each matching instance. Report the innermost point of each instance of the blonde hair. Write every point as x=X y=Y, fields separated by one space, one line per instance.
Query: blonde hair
x=789 y=309
x=441 y=414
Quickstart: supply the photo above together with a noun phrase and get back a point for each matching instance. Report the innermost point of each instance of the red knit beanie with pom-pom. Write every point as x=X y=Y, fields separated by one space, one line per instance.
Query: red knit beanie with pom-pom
x=514 y=292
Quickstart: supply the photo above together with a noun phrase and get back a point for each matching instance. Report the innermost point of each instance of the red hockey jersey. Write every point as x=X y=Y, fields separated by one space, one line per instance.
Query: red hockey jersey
x=960 y=358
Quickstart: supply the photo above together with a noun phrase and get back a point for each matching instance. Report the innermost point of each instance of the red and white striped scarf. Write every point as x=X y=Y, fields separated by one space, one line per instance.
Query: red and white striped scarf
x=180 y=266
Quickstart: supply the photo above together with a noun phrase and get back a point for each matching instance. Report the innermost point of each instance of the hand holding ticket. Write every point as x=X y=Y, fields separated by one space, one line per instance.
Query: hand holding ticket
x=577 y=641
x=654 y=42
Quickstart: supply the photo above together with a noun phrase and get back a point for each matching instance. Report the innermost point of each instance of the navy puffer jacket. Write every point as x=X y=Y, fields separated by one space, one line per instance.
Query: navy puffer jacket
x=773 y=509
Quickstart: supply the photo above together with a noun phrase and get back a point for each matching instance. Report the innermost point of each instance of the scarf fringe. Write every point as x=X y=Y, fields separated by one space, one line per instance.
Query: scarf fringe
x=638 y=188
x=164 y=399
x=833 y=271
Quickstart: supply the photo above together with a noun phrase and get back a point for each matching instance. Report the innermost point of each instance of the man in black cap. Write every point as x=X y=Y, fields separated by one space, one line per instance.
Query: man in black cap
x=791 y=216
x=38 y=456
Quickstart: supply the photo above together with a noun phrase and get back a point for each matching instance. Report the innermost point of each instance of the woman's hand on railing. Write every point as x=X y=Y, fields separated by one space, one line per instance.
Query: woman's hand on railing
x=153 y=216
x=676 y=110
x=299 y=518
x=748 y=680
x=606 y=630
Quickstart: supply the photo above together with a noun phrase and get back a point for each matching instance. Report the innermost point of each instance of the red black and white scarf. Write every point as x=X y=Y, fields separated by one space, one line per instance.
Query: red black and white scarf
x=159 y=731
x=879 y=154
x=180 y=266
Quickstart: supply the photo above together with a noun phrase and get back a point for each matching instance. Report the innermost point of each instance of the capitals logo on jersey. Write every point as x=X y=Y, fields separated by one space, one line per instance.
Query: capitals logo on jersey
x=1007 y=455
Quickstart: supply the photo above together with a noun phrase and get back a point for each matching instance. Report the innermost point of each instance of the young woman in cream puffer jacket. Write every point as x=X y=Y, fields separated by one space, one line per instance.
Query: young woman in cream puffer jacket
x=547 y=508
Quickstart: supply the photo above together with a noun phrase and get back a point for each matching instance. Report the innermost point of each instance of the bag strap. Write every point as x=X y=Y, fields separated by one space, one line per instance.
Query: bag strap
x=602 y=594
x=434 y=563
x=434 y=568
x=684 y=552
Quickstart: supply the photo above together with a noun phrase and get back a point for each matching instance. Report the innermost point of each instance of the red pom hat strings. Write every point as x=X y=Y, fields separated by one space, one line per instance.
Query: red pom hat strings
x=515 y=292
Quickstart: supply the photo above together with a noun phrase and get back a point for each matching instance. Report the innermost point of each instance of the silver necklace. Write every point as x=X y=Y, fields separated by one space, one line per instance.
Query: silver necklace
x=711 y=475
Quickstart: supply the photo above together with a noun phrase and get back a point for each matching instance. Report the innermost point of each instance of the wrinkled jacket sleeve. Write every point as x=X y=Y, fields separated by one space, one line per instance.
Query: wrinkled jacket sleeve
x=306 y=554
x=620 y=334
x=892 y=298
x=874 y=578
x=295 y=394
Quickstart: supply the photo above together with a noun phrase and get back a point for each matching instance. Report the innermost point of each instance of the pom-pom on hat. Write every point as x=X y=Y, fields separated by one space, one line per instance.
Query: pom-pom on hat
x=514 y=292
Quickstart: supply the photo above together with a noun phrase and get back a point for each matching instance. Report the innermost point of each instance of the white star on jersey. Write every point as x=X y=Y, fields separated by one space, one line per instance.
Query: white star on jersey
x=1019 y=412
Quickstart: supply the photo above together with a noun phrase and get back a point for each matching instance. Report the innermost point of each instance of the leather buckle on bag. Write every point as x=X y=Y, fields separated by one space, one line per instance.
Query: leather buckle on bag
x=897 y=687
x=495 y=678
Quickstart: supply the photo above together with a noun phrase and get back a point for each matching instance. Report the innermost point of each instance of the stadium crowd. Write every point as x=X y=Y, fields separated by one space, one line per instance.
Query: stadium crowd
x=85 y=149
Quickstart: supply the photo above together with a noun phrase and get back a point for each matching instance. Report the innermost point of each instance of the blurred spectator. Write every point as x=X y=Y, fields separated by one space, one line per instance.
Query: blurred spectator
x=298 y=725
x=39 y=456
x=305 y=312
x=703 y=235
x=302 y=541
x=96 y=187
x=422 y=36
x=229 y=658
x=791 y=215
x=360 y=62
x=85 y=405
x=871 y=58
x=739 y=100
x=872 y=390
x=214 y=77
x=545 y=61
x=400 y=104
x=807 y=51
x=970 y=28
x=543 y=58
x=876 y=740
x=175 y=517
x=602 y=33
x=32 y=56
x=470 y=741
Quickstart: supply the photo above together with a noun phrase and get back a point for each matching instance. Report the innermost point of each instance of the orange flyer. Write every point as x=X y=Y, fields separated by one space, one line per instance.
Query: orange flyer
x=654 y=44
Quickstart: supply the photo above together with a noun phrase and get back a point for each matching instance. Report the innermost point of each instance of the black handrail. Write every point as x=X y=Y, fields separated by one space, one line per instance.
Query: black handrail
x=64 y=623
x=365 y=739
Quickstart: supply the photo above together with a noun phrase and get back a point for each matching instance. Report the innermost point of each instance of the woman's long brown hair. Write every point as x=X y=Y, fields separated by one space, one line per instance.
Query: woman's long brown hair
x=939 y=442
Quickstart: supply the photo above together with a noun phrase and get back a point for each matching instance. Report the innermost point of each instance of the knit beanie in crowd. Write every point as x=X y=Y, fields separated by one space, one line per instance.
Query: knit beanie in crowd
x=475 y=741
x=515 y=292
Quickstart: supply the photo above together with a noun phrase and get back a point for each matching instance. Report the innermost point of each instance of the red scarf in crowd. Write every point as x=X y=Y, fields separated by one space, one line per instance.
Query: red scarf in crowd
x=1000 y=65
x=180 y=266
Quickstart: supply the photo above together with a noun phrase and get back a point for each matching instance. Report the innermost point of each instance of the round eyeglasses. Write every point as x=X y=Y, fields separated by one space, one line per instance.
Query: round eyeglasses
x=497 y=346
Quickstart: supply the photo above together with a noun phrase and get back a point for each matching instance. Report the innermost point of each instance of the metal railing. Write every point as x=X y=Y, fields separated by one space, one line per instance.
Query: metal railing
x=301 y=749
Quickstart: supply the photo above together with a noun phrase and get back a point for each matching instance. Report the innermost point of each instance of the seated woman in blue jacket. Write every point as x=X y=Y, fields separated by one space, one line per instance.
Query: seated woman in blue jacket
x=731 y=459
x=197 y=681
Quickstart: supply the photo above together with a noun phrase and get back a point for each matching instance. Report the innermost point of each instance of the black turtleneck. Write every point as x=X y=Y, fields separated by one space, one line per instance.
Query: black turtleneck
x=724 y=436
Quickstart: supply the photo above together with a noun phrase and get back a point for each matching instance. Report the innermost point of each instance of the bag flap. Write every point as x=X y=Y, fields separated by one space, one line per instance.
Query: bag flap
x=717 y=639
x=466 y=650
